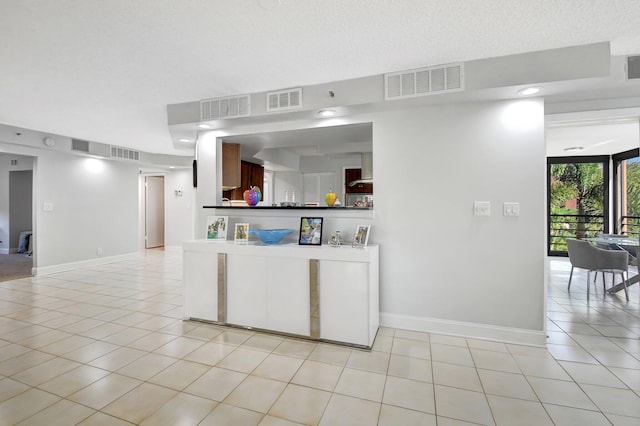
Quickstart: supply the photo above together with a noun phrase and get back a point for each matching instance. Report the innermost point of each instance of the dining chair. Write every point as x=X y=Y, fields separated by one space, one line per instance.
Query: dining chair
x=584 y=255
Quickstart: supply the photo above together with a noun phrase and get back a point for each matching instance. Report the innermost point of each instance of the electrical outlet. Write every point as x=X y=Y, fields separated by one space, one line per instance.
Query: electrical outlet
x=511 y=209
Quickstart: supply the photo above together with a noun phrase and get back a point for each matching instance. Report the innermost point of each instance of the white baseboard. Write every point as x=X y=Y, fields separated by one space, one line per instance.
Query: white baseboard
x=517 y=336
x=4 y=251
x=63 y=267
x=172 y=248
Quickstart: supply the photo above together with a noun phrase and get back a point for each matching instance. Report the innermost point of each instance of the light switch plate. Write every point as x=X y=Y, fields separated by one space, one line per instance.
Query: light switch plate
x=511 y=209
x=482 y=208
x=47 y=207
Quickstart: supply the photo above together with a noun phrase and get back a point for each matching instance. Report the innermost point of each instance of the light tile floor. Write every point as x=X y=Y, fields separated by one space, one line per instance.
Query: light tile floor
x=107 y=346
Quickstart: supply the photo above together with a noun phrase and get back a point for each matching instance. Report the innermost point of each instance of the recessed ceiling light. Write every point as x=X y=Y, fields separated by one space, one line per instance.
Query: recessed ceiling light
x=172 y=167
x=326 y=113
x=528 y=91
x=574 y=149
x=185 y=140
x=204 y=126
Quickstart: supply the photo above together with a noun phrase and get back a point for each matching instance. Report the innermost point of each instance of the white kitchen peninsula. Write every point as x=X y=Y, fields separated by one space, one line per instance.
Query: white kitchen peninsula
x=321 y=293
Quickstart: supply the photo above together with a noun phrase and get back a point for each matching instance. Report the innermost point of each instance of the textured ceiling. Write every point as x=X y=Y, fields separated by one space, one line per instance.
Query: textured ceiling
x=104 y=70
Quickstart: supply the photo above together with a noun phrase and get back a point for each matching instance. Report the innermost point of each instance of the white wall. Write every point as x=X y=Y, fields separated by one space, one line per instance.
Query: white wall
x=94 y=206
x=442 y=268
x=179 y=209
x=439 y=262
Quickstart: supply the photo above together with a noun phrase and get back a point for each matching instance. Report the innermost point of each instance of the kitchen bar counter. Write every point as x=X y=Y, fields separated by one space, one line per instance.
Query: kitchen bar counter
x=320 y=293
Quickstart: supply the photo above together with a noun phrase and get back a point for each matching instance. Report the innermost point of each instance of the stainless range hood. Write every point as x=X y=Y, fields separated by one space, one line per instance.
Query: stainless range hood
x=366 y=167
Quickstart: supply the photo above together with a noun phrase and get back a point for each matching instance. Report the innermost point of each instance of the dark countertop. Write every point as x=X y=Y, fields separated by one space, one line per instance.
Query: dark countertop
x=287 y=208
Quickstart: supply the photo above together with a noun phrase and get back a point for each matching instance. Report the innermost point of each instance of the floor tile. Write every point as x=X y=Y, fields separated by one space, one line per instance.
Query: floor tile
x=623 y=402
x=146 y=366
x=183 y=409
x=491 y=360
x=10 y=388
x=361 y=384
x=295 y=348
x=394 y=416
x=456 y=376
x=451 y=354
x=278 y=367
x=410 y=368
x=567 y=416
x=509 y=411
x=104 y=391
x=506 y=384
x=377 y=362
x=117 y=359
x=592 y=374
x=541 y=367
x=317 y=375
x=560 y=392
x=331 y=354
x=228 y=415
x=449 y=402
x=301 y=404
x=243 y=360
x=140 y=403
x=256 y=394
x=180 y=374
x=411 y=394
x=73 y=380
x=62 y=413
x=262 y=342
x=45 y=371
x=348 y=411
x=210 y=353
x=24 y=405
x=412 y=348
x=216 y=384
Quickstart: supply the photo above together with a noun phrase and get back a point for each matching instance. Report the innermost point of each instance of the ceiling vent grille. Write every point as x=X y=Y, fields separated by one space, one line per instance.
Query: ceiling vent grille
x=80 y=145
x=284 y=99
x=424 y=81
x=231 y=107
x=124 y=153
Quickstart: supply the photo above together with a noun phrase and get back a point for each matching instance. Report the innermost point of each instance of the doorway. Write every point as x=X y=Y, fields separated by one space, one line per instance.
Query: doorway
x=154 y=211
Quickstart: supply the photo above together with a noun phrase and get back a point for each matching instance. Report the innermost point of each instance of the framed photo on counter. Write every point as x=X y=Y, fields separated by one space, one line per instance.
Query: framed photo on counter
x=242 y=232
x=361 y=237
x=217 y=227
x=310 y=231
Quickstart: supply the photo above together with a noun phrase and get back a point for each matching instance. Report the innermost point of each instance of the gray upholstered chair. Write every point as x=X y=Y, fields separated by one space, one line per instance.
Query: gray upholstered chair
x=584 y=255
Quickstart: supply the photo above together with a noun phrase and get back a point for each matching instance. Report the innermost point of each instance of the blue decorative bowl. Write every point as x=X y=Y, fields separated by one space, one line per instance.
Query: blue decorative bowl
x=271 y=236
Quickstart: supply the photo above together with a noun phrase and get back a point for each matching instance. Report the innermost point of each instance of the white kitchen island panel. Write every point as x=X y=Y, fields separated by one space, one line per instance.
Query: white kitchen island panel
x=323 y=293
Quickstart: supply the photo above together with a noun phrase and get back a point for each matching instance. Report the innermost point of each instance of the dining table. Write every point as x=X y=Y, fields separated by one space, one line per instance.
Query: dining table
x=620 y=242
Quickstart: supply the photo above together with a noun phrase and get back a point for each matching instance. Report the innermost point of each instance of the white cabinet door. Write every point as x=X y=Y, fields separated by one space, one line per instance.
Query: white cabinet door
x=344 y=301
x=201 y=295
x=316 y=185
x=246 y=290
x=288 y=295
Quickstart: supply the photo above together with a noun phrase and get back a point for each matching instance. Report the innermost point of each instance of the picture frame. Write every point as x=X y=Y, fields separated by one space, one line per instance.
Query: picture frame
x=217 y=227
x=361 y=237
x=310 y=231
x=241 y=232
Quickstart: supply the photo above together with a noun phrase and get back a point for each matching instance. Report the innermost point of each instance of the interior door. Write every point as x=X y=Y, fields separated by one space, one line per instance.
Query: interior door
x=154 y=211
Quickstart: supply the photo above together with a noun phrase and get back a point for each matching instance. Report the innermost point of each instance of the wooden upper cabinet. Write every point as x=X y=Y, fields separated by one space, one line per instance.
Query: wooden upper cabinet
x=361 y=188
x=231 y=176
x=250 y=175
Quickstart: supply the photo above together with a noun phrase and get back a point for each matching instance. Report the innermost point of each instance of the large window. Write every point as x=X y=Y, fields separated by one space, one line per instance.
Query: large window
x=578 y=199
x=627 y=192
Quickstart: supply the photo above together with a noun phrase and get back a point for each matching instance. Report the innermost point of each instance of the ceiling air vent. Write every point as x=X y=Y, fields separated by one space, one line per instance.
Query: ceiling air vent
x=284 y=99
x=124 y=153
x=633 y=67
x=80 y=145
x=424 y=81
x=231 y=107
